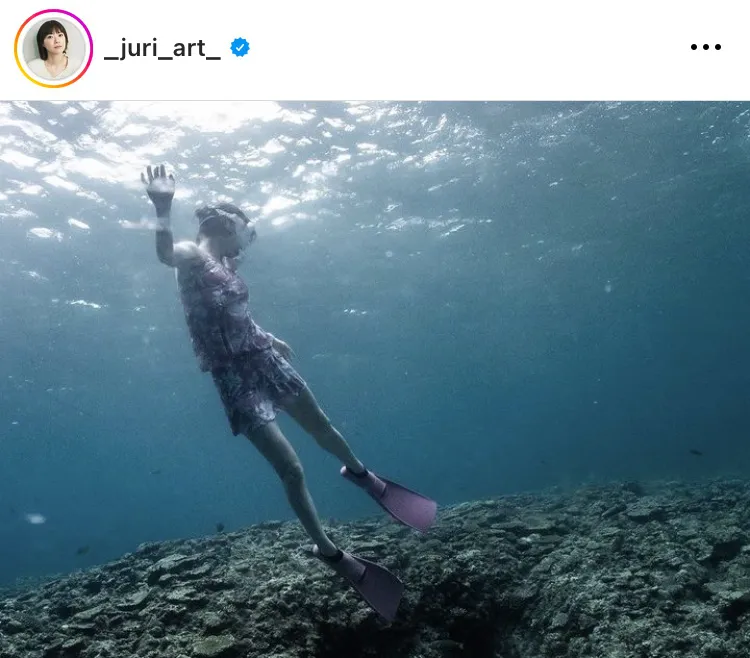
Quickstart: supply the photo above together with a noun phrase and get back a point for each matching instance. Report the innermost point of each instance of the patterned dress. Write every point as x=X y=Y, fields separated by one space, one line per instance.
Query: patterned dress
x=251 y=376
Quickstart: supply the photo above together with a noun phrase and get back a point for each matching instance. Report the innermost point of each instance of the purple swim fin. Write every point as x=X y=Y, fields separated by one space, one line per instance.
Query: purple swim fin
x=404 y=505
x=381 y=589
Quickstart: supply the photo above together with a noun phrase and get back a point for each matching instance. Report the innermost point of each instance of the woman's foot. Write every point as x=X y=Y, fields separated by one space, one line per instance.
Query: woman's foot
x=329 y=551
x=407 y=506
x=333 y=557
x=360 y=471
x=381 y=589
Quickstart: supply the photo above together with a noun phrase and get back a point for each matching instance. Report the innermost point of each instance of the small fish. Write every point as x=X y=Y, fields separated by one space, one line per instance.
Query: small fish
x=82 y=550
x=36 y=519
x=219 y=527
x=156 y=471
x=696 y=452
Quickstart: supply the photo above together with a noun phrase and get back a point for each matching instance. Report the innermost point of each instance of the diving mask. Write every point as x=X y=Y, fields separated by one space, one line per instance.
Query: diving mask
x=234 y=221
x=245 y=233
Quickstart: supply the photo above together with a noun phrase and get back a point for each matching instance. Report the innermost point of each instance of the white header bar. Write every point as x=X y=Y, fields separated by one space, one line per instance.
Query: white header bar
x=388 y=50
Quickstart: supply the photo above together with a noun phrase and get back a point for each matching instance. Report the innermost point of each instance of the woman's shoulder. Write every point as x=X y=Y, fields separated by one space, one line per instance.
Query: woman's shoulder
x=73 y=66
x=36 y=64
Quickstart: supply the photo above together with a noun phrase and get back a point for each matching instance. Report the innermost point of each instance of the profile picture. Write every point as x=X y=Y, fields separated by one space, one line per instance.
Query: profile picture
x=53 y=48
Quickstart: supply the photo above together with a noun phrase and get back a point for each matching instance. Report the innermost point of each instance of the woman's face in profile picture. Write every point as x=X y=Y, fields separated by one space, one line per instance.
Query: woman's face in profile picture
x=53 y=40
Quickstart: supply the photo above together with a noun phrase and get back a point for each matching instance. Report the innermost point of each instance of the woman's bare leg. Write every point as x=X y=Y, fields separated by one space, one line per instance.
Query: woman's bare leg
x=305 y=410
x=273 y=445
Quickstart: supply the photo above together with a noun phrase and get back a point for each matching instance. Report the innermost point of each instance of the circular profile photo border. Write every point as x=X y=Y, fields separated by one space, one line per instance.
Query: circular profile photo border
x=77 y=20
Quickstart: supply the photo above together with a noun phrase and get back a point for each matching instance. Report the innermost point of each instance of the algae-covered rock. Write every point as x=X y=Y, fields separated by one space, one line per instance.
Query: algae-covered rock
x=214 y=647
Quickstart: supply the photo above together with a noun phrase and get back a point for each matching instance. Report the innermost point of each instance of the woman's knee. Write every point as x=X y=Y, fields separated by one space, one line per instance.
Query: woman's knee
x=292 y=474
x=274 y=446
x=323 y=429
x=324 y=432
x=317 y=424
x=306 y=411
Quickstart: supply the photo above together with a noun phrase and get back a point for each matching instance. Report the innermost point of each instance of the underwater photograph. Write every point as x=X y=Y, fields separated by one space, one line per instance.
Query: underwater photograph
x=374 y=379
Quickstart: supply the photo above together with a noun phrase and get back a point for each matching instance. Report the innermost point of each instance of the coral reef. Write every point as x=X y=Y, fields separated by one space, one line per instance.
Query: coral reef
x=631 y=570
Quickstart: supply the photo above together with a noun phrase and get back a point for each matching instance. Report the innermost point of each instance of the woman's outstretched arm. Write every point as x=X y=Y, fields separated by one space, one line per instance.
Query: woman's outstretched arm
x=160 y=189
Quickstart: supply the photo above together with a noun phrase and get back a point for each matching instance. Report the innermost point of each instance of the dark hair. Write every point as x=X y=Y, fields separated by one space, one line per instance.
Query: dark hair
x=48 y=28
x=215 y=221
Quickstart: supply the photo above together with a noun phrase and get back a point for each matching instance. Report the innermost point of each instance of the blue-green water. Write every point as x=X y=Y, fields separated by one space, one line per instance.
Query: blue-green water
x=485 y=298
